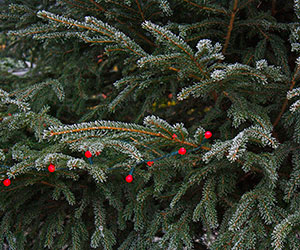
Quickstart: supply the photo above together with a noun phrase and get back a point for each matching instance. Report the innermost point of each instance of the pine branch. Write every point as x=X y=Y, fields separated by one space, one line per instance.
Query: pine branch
x=161 y=32
x=294 y=180
x=283 y=108
x=242 y=213
x=230 y=26
x=282 y=230
x=97 y=26
x=206 y=8
x=102 y=126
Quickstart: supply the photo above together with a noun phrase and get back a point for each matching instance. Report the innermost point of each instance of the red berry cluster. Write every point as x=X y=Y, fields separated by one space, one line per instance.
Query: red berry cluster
x=129 y=178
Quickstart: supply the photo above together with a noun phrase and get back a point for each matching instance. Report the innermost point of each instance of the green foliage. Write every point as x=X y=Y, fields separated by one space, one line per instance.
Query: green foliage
x=86 y=75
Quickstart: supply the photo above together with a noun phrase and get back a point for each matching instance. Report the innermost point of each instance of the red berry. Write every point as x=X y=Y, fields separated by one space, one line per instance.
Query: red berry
x=207 y=134
x=6 y=182
x=98 y=153
x=9 y=114
x=88 y=154
x=129 y=178
x=174 y=136
x=51 y=168
x=182 y=151
x=149 y=163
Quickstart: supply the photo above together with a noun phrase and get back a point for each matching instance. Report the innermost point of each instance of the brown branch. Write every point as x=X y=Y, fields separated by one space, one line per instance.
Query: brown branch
x=127 y=130
x=203 y=84
x=140 y=10
x=48 y=184
x=155 y=13
x=123 y=5
x=286 y=100
x=89 y=28
x=264 y=34
x=249 y=60
x=98 y=5
x=74 y=24
x=245 y=4
x=233 y=99
x=280 y=114
x=255 y=197
x=7 y=190
x=224 y=199
x=130 y=28
x=153 y=150
x=274 y=11
x=143 y=37
x=205 y=8
x=191 y=75
x=233 y=13
x=157 y=125
x=147 y=7
x=184 y=50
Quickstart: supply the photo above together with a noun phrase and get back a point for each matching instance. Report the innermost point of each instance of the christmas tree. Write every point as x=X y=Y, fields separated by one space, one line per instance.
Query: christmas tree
x=149 y=124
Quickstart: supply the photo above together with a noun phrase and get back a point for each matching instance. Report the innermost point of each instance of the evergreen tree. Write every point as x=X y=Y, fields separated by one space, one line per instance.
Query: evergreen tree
x=105 y=108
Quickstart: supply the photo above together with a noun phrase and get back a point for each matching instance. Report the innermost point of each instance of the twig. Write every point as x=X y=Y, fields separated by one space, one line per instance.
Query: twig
x=233 y=13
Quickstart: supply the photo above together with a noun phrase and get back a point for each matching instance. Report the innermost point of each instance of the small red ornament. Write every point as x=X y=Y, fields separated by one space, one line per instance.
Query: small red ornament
x=182 y=151
x=100 y=60
x=88 y=154
x=174 y=136
x=51 y=168
x=129 y=178
x=9 y=114
x=207 y=134
x=98 y=153
x=6 y=182
x=149 y=163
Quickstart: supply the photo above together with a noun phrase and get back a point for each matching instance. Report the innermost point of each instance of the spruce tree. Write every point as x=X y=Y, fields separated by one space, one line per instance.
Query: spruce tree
x=106 y=109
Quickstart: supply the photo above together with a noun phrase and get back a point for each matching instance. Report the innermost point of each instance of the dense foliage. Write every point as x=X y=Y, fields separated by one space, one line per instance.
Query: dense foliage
x=133 y=81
